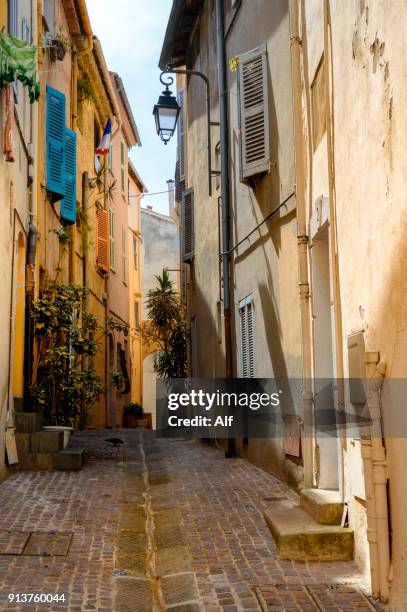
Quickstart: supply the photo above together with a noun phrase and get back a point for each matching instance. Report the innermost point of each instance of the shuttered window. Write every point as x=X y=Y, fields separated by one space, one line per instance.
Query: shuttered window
x=68 y=203
x=246 y=317
x=136 y=314
x=181 y=135
x=124 y=255
x=102 y=239
x=135 y=252
x=55 y=137
x=122 y=173
x=13 y=17
x=187 y=222
x=254 y=123
x=111 y=239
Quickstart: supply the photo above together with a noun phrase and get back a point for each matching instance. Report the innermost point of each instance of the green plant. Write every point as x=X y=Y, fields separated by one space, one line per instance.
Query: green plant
x=86 y=90
x=133 y=410
x=65 y=385
x=64 y=235
x=165 y=328
x=117 y=379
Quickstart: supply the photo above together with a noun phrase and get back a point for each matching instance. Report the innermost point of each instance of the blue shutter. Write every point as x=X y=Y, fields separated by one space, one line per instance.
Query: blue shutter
x=55 y=142
x=68 y=204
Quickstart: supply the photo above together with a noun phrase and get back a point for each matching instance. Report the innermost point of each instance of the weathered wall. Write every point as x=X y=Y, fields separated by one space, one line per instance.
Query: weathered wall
x=266 y=265
x=16 y=201
x=369 y=48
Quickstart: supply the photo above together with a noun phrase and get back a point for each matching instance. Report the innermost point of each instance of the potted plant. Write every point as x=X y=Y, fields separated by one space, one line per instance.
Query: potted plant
x=133 y=414
x=65 y=385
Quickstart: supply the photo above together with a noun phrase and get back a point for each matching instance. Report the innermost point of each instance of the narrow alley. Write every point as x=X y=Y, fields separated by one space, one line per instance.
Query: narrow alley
x=153 y=525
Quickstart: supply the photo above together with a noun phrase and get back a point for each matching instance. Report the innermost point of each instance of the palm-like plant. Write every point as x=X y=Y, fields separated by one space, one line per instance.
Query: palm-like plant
x=165 y=328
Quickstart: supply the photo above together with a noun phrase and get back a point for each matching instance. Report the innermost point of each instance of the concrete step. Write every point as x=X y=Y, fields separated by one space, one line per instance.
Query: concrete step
x=324 y=506
x=299 y=537
x=46 y=441
x=68 y=459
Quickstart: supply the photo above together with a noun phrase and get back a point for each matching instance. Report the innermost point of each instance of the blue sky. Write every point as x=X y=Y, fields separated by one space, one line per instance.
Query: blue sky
x=131 y=33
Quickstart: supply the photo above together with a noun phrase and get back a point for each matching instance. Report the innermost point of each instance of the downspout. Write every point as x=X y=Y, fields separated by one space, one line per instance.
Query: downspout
x=225 y=182
x=225 y=195
x=74 y=112
x=302 y=246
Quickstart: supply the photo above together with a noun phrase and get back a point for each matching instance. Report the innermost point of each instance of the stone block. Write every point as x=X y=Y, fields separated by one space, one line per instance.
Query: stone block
x=23 y=450
x=325 y=507
x=28 y=422
x=46 y=441
x=299 y=537
x=68 y=459
x=40 y=461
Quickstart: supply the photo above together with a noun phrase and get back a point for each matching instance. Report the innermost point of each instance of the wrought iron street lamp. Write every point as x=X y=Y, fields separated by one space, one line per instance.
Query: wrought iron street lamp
x=166 y=112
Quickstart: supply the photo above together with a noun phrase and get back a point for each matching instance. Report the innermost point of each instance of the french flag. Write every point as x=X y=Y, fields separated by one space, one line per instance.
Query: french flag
x=104 y=145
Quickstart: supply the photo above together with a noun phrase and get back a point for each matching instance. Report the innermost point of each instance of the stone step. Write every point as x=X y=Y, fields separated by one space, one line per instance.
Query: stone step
x=299 y=537
x=324 y=506
x=28 y=422
x=68 y=459
x=46 y=441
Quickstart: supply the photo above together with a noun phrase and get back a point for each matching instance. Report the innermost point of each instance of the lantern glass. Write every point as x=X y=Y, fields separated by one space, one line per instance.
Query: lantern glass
x=166 y=113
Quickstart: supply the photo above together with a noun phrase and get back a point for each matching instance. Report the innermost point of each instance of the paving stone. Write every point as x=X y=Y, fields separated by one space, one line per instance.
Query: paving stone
x=172 y=560
x=48 y=544
x=179 y=588
x=169 y=537
x=133 y=595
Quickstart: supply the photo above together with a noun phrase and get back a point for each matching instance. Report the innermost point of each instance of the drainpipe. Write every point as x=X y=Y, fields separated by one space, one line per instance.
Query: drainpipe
x=302 y=245
x=225 y=194
x=74 y=112
x=374 y=454
x=225 y=183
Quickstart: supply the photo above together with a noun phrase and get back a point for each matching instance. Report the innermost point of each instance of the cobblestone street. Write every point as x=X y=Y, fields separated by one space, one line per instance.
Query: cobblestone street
x=155 y=525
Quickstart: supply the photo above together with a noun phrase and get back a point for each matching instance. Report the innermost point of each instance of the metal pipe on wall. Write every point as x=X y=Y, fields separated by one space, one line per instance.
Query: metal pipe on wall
x=302 y=242
x=225 y=181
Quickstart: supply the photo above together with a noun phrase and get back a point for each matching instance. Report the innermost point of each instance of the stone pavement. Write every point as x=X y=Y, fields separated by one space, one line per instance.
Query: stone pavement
x=155 y=525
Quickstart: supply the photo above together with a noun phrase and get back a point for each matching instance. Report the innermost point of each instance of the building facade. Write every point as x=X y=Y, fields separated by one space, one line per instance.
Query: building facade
x=313 y=100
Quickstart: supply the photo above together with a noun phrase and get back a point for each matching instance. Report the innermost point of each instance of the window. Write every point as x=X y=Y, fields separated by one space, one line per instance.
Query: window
x=181 y=135
x=48 y=12
x=136 y=314
x=110 y=159
x=246 y=318
x=124 y=255
x=253 y=107
x=55 y=137
x=187 y=223
x=122 y=174
x=111 y=239
x=13 y=17
x=135 y=252
x=102 y=239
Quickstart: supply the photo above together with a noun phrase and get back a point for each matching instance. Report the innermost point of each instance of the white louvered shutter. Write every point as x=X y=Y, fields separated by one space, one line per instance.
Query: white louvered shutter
x=254 y=114
x=246 y=312
x=187 y=221
x=181 y=135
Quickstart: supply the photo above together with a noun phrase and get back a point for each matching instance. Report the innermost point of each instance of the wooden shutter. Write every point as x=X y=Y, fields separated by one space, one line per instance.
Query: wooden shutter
x=254 y=120
x=187 y=221
x=181 y=135
x=55 y=137
x=68 y=204
x=246 y=313
x=111 y=240
x=102 y=239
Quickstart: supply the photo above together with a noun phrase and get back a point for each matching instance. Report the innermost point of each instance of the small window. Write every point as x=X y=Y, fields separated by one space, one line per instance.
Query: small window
x=13 y=20
x=48 y=12
x=122 y=173
x=135 y=252
x=124 y=255
x=187 y=223
x=254 y=112
x=110 y=159
x=111 y=239
x=246 y=319
x=136 y=314
x=181 y=135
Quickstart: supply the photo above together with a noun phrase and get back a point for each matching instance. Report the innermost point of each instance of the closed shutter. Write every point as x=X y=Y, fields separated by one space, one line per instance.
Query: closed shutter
x=187 y=221
x=13 y=17
x=181 y=135
x=68 y=204
x=55 y=136
x=111 y=240
x=246 y=314
x=102 y=239
x=254 y=123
